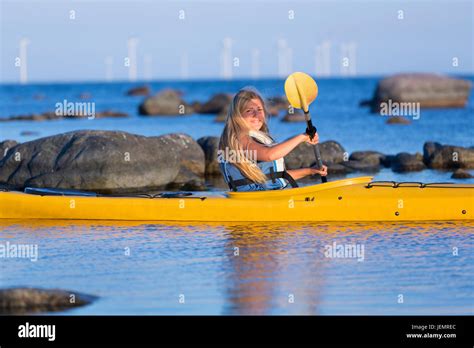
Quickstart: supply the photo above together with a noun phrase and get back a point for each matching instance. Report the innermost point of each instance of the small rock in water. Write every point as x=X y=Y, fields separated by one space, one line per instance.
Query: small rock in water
x=167 y=102
x=297 y=116
x=397 y=120
x=461 y=174
x=31 y=300
x=85 y=95
x=142 y=90
x=39 y=96
x=28 y=133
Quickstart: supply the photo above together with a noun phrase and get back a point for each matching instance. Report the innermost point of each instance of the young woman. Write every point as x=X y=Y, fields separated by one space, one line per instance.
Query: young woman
x=249 y=158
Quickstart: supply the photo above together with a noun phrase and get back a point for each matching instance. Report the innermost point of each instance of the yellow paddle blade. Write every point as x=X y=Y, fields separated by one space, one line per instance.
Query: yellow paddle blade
x=301 y=90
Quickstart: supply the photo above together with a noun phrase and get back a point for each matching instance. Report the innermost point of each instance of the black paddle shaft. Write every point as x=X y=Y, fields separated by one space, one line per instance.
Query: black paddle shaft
x=311 y=131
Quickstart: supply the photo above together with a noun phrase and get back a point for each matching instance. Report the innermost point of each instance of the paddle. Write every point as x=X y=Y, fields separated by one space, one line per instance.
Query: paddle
x=301 y=90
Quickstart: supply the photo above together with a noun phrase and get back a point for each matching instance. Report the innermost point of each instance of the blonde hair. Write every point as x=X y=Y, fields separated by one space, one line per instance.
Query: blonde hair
x=235 y=126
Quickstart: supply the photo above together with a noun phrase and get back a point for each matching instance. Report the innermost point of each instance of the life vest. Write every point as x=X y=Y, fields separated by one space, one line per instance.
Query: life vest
x=278 y=177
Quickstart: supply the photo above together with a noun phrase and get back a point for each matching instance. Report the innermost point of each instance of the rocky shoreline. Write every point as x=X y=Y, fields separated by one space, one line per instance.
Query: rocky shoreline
x=120 y=162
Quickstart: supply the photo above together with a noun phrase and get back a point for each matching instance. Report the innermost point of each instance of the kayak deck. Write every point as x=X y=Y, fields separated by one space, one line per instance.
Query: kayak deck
x=354 y=199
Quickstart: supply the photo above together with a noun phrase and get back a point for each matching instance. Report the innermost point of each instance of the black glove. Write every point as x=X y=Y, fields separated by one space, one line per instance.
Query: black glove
x=311 y=131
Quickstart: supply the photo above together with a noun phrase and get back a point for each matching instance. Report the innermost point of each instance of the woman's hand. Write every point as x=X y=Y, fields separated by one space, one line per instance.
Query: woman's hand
x=321 y=171
x=313 y=141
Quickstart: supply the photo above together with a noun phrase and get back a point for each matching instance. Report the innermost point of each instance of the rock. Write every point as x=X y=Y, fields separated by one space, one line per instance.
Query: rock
x=332 y=152
x=192 y=163
x=297 y=116
x=361 y=166
x=430 y=90
x=429 y=148
x=85 y=95
x=103 y=161
x=29 y=133
x=277 y=104
x=51 y=115
x=141 y=90
x=387 y=161
x=210 y=145
x=221 y=117
x=167 y=102
x=303 y=155
x=405 y=162
x=397 y=120
x=39 y=96
x=439 y=156
x=372 y=157
x=337 y=168
x=110 y=113
x=217 y=104
x=461 y=174
x=30 y=300
x=5 y=146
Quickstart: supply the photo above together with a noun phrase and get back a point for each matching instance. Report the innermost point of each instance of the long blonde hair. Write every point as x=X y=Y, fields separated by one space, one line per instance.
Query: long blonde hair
x=235 y=126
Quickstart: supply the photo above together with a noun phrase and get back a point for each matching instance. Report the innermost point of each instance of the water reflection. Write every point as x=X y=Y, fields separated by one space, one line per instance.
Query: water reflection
x=257 y=268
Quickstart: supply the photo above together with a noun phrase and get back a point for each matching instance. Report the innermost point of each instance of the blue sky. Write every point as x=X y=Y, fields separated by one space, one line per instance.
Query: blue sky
x=427 y=39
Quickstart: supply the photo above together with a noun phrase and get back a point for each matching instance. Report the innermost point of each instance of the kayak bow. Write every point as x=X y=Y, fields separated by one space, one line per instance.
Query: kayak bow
x=354 y=199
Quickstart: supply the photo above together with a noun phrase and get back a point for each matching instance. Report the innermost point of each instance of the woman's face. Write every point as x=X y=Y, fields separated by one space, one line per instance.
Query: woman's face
x=254 y=114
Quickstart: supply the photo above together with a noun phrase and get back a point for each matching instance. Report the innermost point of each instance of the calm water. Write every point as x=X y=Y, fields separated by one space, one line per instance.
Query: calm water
x=275 y=262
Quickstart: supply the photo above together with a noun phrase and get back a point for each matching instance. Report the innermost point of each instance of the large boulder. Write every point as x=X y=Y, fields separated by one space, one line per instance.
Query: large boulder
x=439 y=156
x=5 y=146
x=430 y=90
x=191 y=162
x=303 y=155
x=405 y=162
x=167 y=102
x=210 y=145
x=338 y=169
x=103 y=161
x=217 y=104
x=373 y=157
x=361 y=166
x=30 y=300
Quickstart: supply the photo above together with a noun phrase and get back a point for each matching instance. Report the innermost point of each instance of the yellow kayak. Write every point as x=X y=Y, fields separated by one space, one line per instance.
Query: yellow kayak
x=354 y=199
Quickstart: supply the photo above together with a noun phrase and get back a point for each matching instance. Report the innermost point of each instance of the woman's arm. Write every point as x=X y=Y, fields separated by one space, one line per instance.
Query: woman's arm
x=301 y=173
x=271 y=153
